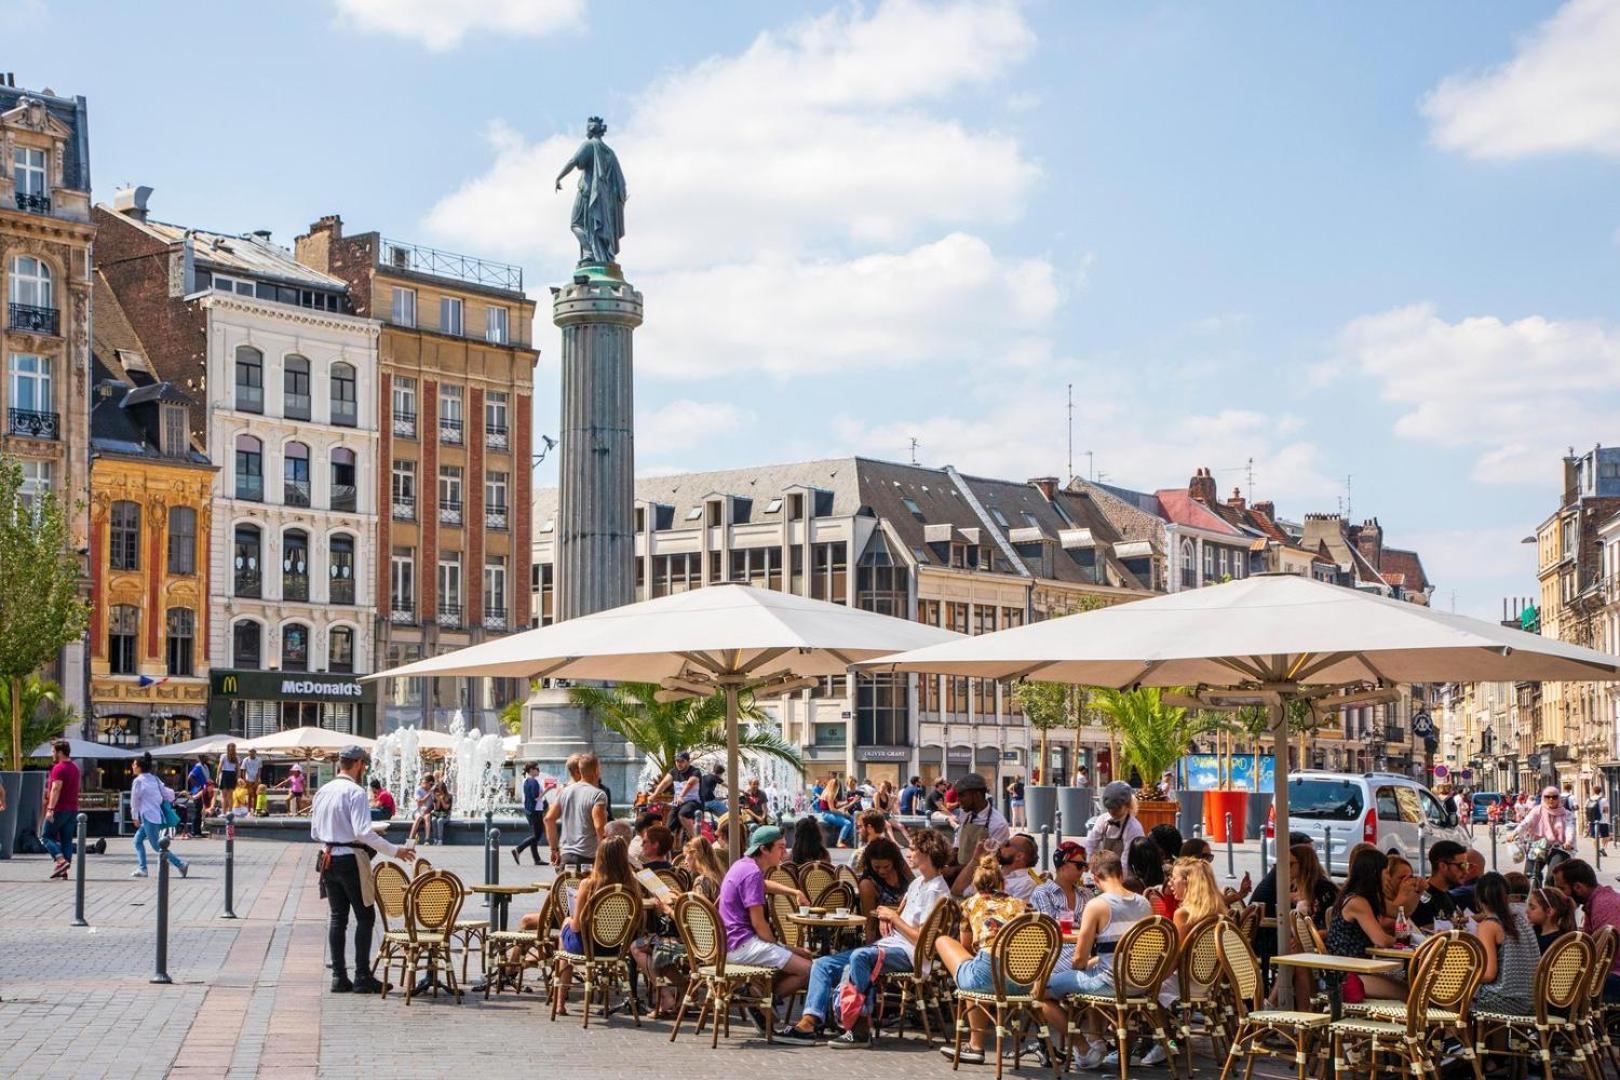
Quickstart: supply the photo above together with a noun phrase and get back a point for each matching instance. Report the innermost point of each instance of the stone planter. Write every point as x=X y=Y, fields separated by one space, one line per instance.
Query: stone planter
x=1040 y=807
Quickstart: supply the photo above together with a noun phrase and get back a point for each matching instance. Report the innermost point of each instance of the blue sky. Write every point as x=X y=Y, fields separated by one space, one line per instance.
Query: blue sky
x=1373 y=241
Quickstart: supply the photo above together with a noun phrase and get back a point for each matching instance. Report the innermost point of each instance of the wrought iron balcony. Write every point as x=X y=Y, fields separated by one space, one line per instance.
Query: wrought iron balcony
x=296 y=493
x=450 y=512
x=250 y=487
x=403 y=613
x=342 y=591
x=449 y=615
x=496 y=437
x=297 y=407
x=36 y=425
x=416 y=259
x=295 y=586
x=495 y=517
x=344 y=497
x=450 y=430
x=405 y=424
x=494 y=618
x=345 y=413
x=404 y=507
x=34 y=320
x=37 y=204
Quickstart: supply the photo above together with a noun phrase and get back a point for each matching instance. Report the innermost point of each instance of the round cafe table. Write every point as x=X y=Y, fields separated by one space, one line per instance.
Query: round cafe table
x=500 y=900
x=1334 y=970
x=826 y=926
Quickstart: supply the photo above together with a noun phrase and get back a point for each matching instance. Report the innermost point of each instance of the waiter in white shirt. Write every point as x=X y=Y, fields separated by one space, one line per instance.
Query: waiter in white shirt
x=341 y=821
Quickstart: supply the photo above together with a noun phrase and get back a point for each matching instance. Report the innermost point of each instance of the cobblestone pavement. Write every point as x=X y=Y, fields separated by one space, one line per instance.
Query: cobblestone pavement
x=250 y=996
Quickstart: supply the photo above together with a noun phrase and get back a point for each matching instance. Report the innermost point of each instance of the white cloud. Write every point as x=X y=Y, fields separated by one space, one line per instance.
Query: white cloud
x=1559 y=93
x=1518 y=392
x=441 y=26
x=684 y=423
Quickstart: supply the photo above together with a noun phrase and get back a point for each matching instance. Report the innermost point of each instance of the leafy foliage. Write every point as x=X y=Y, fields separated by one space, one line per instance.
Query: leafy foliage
x=44 y=715
x=1153 y=736
x=663 y=729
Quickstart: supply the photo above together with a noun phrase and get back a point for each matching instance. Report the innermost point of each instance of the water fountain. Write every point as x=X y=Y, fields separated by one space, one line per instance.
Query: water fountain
x=473 y=770
x=397 y=762
x=779 y=780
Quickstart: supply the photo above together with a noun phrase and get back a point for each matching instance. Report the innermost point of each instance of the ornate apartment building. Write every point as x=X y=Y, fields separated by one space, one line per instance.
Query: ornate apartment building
x=285 y=377
x=45 y=251
x=455 y=392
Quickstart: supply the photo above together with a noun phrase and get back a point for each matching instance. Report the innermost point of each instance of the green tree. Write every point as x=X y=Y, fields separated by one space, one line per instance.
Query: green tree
x=1048 y=705
x=41 y=606
x=44 y=716
x=511 y=717
x=1153 y=736
x=1255 y=722
x=663 y=729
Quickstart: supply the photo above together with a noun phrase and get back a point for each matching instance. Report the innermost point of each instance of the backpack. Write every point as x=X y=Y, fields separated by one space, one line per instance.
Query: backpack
x=852 y=1002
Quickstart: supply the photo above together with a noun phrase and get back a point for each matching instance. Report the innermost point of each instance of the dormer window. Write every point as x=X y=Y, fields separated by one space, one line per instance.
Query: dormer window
x=174 y=439
x=33 y=181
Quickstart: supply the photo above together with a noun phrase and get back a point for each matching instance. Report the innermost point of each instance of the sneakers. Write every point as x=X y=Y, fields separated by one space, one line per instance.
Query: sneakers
x=795 y=1034
x=756 y=1016
x=516 y=858
x=342 y=985
x=185 y=868
x=1154 y=1056
x=850 y=1041
x=1034 y=1049
x=61 y=869
x=137 y=873
x=100 y=846
x=969 y=1056
x=1093 y=1057
x=365 y=984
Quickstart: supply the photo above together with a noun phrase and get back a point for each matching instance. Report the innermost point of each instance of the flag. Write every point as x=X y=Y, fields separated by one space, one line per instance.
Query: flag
x=147 y=680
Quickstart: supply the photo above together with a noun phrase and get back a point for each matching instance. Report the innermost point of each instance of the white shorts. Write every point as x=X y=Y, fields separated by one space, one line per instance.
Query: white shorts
x=758 y=952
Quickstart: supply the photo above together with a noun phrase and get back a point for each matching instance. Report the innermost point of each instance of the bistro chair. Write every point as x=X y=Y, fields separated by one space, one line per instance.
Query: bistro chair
x=1405 y=1039
x=1143 y=959
x=420 y=867
x=788 y=932
x=431 y=906
x=1457 y=976
x=1600 y=1042
x=1559 y=998
x=839 y=894
x=608 y=924
x=727 y=984
x=783 y=874
x=390 y=883
x=925 y=986
x=498 y=945
x=1200 y=991
x=1021 y=960
x=1281 y=1034
x=846 y=874
x=815 y=878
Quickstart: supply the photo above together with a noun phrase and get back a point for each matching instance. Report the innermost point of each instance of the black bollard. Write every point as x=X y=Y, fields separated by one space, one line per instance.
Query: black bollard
x=494 y=857
x=1046 y=846
x=230 y=869
x=78 y=872
x=1493 y=845
x=161 y=974
x=1265 y=863
x=1231 y=855
x=1423 y=850
x=1327 y=847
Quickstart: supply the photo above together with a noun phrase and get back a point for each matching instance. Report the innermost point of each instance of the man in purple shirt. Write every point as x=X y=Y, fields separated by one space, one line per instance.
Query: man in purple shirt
x=1601 y=905
x=61 y=807
x=749 y=939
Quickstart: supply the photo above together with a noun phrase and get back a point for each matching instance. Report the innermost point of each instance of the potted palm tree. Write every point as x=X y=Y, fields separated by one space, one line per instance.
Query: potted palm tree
x=1046 y=705
x=1152 y=737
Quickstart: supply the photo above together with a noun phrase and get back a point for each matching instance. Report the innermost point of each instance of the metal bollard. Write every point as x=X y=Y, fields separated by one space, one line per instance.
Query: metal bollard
x=1493 y=845
x=1231 y=856
x=78 y=871
x=1423 y=849
x=1198 y=829
x=1046 y=847
x=230 y=869
x=1057 y=816
x=161 y=973
x=1265 y=863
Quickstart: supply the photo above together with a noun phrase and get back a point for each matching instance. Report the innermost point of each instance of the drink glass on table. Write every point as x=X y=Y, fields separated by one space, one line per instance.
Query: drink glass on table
x=1066 y=925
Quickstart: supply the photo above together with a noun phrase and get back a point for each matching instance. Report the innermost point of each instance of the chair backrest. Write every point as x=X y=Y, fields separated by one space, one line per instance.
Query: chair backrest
x=1306 y=936
x=420 y=867
x=1423 y=972
x=940 y=921
x=788 y=932
x=1458 y=974
x=549 y=918
x=840 y=894
x=1200 y=957
x=1024 y=953
x=610 y=921
x=706 y=886
x=433 y=903
x=1144 y=957
x=1604 y=944
x=814 y=879
x=682 y=875
x=847 y=875
x=1248 y=921
x=673 y=880
x=1242 y=969
x=391 y=883
x=702 y=931
x=783 y=874
x=1561 y=977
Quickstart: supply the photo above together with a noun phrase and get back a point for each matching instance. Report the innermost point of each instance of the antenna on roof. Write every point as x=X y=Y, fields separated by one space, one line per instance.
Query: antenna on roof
x=1251 y=479
x=1071 y=431
x=1348 y=513
x=914 y=449
x=1091 y=465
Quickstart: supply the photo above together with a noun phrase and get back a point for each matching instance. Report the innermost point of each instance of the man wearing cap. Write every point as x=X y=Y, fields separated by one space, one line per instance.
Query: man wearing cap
x=979 y=828
x=749 y=939
x=1062 y=896
x=340 y=820
x=681 y=784
x=1116 y=829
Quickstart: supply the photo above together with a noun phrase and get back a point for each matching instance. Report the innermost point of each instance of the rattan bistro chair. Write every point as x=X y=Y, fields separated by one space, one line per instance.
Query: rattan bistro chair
x=431 y=906
x=1201 y=991
x=815 y=878
x=783 y=874
x=1143 y=959
x=725 y=983
x=610 y=921
x=1457 y=975
x=1404 y=1037
x=1600 y=1044
x=1559 y=997
x=927 y=986
x=532 y=946
x=390 y=883
x=1282 y=1034
x=1022 y=956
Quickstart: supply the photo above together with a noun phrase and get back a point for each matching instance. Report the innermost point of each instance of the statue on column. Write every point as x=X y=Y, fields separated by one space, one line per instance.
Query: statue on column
x=598 y=219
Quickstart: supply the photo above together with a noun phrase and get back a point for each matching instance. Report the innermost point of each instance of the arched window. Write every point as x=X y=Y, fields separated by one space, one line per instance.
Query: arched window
x=295 y=647
x=296 y=468
x=340 y=653
x=249 y=468
x=123 y=633
x=246 y=644
x=344 y=495
x=182 y=540
x=295 y=565
x=182 y=626
x=124 y=536
x=342 y=569
x=249 y=379
x=31 y=285
x=295 y=382
x=1189 y=565
x=247 y=562
x=345 y=402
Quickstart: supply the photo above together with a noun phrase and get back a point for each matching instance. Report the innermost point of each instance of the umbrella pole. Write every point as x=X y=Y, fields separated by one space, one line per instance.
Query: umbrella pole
x=733 y=781
x=1279 y=744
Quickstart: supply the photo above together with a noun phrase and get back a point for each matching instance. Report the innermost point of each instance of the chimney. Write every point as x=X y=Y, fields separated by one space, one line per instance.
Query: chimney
x=314 y=248
x=1267 y=508
x=1202 y=488
x=131 y=201
x=1236 y=501
x=261 y=235
x=1047 y=485
x=8 y=78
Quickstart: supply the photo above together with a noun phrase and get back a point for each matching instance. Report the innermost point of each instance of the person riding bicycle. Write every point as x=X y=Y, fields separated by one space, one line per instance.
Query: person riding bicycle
x=1549 y=827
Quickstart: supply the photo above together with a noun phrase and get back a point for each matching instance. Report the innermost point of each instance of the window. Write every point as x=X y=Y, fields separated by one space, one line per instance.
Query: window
x=345 y=493
x=295 y=647
x=345 y=404
x=340 y=650
x=495 y=420
x=450 y=589
x=249 y=379
x=295 y=383
x=1001 y=519
x=829 y=571
x=774 y=506
x=174 y=435
x=342 y=569
x=123 y=631
x=1209 y=564
x=31 y=286
x=404 y=407
x=495 y=592
x=182 y=540
x=402 y=582
x=450 y=494
x=1189 y=565
x=295 y=463
x=295 y=565
x=36 y=482
x=245 y=644
x=404 y=313
x=31 y=387
x=124 y=541
x=495 y=515
x=450 y=414
x=246 y=562
x=182 y=624
x=450 y=315
x=916 y=511
x=495 y=325
x=403 y=487
x=28 y=168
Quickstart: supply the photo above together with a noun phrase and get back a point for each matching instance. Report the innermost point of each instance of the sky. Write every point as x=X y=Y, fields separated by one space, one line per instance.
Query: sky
x=1345 y=256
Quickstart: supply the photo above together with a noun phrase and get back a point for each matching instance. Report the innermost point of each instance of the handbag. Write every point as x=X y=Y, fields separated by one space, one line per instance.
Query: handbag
x=852 y=1002
x=171 y=817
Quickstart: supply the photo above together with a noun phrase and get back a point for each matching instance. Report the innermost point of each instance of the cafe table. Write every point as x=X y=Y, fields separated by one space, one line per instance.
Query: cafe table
x=1334 y=969
x=1403 y=955
x=500 y=900
x=827 y=925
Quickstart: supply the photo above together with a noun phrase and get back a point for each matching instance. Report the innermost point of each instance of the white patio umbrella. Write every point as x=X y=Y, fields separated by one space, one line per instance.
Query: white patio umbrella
x=724 y=638
x=306 y=742
x=83 y=748
x=1264 y=641
x=208 y=746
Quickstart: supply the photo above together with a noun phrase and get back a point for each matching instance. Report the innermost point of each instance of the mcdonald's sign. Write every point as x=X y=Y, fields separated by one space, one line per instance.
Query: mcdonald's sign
x=228 y=684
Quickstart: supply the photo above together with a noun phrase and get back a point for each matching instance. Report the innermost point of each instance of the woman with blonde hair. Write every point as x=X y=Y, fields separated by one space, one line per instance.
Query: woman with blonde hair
x=1199 y=894
x=703 y=863
x=612 y=867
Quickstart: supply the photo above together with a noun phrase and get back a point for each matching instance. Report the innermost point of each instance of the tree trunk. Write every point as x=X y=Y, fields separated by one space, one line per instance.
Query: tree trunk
x=16 y=724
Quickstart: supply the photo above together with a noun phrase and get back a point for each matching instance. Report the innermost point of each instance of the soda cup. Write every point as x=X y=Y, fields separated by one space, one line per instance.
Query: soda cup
x=1066 y=924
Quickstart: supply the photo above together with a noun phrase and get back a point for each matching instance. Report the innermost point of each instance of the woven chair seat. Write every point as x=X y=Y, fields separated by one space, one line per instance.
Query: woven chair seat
x=1355 y=1026
x=1395 y=1012
x=581 y=958
x=1516 y=1018
x=978 y=995
x=1107 y=999
x=1290 y=1018
x=403 y=937
x=471 y=924
x=738 y=971
x=516 y=937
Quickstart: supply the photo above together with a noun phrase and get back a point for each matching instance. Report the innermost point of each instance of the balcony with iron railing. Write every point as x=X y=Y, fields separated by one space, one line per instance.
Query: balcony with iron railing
x=32 y=319
x=33 y=203
x=449 y=614
x=496 y=437
x=495 y=517
x=405 y=424
x=344 y=498
x=294 y=586
x=404 y=507
x=494 y=618
x=35 y=425
x=415 y=259
x=403 y=611
x=342 y=591
x=450 y=430
x=450 y=512
x=296 y=493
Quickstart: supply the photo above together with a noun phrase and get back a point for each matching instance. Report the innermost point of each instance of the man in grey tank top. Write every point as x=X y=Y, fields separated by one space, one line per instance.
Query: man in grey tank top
x=577 y=821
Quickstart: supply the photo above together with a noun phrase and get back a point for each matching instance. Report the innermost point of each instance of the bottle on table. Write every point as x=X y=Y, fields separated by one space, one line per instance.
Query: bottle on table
x=1403 y=929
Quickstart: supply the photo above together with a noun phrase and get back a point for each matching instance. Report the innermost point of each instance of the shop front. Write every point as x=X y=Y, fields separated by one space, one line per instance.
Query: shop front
x=251 y=704
x=880 y=763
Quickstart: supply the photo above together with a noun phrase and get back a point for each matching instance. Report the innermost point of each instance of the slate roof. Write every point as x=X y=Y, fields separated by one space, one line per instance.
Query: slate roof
x=70 y=111
x=1134 y=514
x=245 y=254
x=1407 y=566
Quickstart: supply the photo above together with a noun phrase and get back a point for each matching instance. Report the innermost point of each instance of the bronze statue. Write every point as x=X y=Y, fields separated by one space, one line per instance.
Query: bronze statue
x=598 y=219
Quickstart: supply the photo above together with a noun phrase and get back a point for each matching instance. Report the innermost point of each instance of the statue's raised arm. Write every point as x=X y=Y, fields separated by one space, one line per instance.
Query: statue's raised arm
x=598 y=220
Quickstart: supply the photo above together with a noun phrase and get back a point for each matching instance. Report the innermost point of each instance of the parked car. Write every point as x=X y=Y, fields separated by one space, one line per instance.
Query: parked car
x=1340 y=810
x=1482 y=802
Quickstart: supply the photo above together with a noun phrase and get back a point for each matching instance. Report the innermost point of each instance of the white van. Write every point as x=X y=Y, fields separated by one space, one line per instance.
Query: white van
x=1340 y=810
